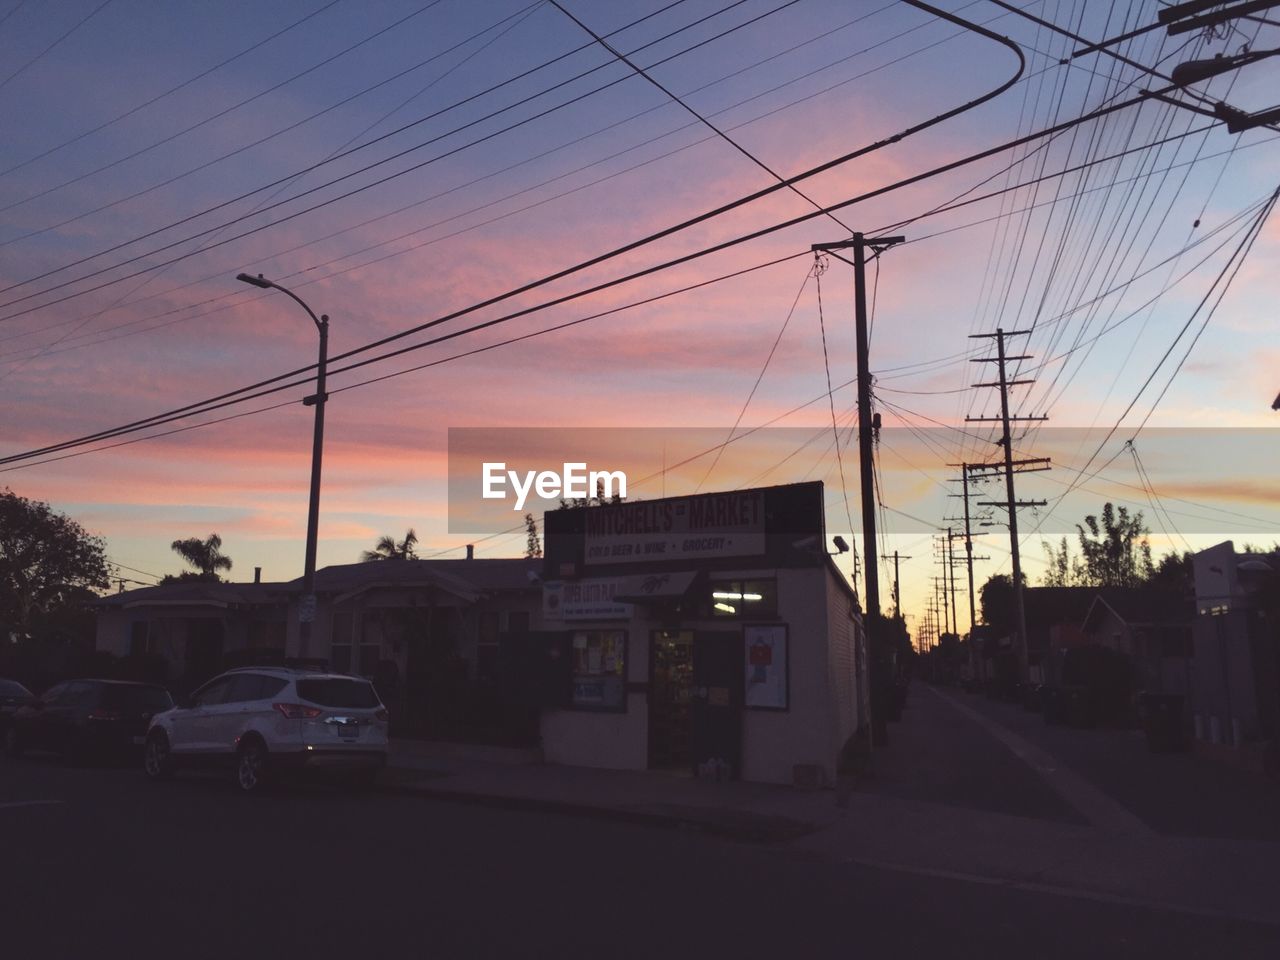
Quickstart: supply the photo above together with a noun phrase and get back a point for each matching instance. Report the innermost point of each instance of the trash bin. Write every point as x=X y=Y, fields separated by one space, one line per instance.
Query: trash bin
x=1164 y=723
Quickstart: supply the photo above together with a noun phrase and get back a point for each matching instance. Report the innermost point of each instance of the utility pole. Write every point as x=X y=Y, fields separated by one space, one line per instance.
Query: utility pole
x=1011 y=502
x=881 y=681
x=951 y=582
x=940 y=597
x=968 y=534
x=897 y=597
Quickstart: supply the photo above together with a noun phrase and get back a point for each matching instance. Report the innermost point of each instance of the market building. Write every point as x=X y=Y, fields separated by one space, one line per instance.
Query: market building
x=712 y=634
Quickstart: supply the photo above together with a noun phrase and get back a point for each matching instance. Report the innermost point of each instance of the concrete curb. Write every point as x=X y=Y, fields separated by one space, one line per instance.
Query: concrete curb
x=733 y=825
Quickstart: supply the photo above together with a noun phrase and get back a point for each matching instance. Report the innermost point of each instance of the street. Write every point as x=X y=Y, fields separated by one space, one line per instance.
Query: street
x=98 y=859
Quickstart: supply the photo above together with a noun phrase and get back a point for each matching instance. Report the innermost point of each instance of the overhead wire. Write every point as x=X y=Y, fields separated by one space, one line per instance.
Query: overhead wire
x=63 y=36
x=168 y=92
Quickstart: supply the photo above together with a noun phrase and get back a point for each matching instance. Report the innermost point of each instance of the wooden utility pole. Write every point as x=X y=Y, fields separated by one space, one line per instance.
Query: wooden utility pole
x=881 y=680
x=951 y=583
x=897 y=597
x=968 y=540
x=1011 y=502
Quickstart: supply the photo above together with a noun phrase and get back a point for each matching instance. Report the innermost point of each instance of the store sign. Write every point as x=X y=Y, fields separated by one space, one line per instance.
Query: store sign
x=590 y=599
x=680 y=528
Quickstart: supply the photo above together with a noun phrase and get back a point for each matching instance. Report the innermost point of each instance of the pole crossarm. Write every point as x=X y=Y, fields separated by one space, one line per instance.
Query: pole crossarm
x=1180 y=25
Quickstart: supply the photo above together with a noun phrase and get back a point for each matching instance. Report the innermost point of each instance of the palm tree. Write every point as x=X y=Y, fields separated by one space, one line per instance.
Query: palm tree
x=205 y=555
x=388 y=549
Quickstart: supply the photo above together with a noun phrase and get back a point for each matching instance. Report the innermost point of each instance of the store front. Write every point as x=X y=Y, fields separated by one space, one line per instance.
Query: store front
x=711 y=635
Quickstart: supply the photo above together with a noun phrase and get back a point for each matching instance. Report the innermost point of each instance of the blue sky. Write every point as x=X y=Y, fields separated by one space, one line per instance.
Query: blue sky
x=1113 y=247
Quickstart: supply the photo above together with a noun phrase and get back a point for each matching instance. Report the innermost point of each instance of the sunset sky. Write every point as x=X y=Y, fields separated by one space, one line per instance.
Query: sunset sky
x=203 y=134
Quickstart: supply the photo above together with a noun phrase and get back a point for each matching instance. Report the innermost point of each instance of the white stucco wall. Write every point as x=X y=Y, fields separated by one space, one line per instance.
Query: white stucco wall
x=615 y=741
x=823 y=679
x=773 y=742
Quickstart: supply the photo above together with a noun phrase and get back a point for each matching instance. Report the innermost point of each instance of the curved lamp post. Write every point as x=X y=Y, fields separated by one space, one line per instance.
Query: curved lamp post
x=307 y=606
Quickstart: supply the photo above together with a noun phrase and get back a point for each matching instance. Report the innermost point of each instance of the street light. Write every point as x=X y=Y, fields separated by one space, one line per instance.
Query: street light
x=307 y=606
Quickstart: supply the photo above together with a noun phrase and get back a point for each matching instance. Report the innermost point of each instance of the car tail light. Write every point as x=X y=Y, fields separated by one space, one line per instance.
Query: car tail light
x=296 y=711
x=382 y=715
x=101 y=714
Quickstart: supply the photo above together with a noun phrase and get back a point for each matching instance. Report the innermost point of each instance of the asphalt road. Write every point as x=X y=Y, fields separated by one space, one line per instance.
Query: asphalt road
x=100 y=862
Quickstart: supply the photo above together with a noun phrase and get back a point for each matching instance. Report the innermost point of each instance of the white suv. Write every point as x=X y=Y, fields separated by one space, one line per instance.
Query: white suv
x=263 y=720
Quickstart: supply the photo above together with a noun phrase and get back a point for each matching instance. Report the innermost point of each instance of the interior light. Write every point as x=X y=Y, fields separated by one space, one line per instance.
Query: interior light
x=721 y=595
x=725 y=607
x=752 y=596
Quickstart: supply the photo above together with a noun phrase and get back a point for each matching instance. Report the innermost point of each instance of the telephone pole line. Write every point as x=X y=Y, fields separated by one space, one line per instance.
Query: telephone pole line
x=1011 y=503
x=881 y=681
x=897 y=597
x=951 y=582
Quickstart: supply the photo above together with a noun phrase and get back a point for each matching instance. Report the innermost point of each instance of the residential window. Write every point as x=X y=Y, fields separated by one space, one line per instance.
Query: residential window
x=739 y=599
x=599 y=669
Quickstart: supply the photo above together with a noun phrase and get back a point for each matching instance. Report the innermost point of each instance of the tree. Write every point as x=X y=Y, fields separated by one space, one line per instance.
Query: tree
x=533 y=546
x=388 y=549
x=1064 y=570
x=599 y=500
x=205 y=555
x=47 y=561
x=1116 y=551
x=997 y=603
x=1173 y=571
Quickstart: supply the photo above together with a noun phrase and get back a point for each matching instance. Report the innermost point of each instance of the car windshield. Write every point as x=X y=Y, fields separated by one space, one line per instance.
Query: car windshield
x=8 y=688
x=338 y=692
x=147 y=699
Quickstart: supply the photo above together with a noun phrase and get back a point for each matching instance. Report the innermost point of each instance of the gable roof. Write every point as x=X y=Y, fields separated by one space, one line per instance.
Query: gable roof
x=1140 y=606
x=199 y=593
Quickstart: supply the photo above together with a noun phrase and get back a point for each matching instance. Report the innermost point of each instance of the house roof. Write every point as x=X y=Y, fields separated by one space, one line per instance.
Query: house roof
x=464 y=578
x=199 y=593
x=1141 y=605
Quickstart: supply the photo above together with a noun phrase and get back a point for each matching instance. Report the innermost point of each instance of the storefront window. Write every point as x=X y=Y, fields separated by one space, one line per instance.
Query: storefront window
x=750 y=599
x=599 y=669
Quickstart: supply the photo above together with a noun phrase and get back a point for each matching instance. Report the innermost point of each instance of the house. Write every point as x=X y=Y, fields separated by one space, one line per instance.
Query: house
x=1152 y=629
x=1235 y=693
x=433 y=635
x=190 y=627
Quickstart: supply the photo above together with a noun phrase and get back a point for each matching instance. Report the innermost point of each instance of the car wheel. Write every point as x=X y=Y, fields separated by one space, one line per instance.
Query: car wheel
x=251 y=767
x=157 y=760
x=13 y=745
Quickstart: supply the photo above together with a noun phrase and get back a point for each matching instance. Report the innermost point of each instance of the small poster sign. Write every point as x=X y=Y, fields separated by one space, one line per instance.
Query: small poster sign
x=765 y=649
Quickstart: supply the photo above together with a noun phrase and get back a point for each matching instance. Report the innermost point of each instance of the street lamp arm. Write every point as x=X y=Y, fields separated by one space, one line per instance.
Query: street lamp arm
x=265 y=284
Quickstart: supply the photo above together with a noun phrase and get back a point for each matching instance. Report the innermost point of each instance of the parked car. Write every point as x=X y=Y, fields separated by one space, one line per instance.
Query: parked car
x=84 y=719
x=12 y=696
x=263 y=721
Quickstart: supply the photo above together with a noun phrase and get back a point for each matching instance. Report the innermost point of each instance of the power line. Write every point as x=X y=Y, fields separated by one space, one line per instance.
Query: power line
x=755 y=386
x=698 y=116
x=285 y=218
x=169 y=92
x=78 y=24
x=627 y=248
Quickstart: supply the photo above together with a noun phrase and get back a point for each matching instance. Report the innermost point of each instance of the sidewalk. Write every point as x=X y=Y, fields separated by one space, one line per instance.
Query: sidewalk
x=1107 y=851
x=914 y=814
x=519 y=779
